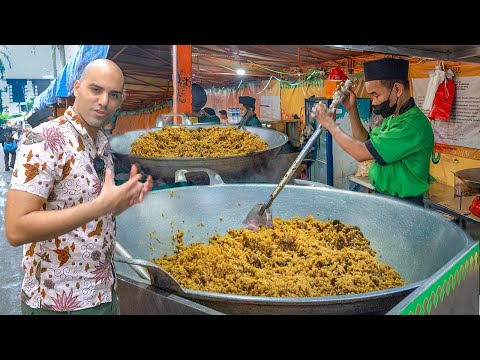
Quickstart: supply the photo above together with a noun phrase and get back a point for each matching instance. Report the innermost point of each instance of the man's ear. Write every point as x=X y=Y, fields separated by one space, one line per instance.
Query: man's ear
x=76 y=85
x=399 y=88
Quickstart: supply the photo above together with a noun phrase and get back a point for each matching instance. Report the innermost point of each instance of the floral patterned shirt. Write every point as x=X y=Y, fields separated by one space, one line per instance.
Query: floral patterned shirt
x=73 y=271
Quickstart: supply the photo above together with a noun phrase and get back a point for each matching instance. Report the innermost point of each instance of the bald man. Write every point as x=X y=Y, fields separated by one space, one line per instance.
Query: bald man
x=62 y=202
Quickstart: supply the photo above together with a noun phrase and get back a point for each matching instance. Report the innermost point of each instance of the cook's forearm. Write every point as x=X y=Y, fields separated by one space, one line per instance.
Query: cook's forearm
x=355 y=148
x=358 y=131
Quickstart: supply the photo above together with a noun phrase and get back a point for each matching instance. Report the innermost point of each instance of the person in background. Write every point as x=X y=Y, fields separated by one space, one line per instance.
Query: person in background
x=247 y=109
x=10 y=151
x=209 y=111
x=17 y=133
x=401 y=146
x=2 y=135
x=199 y=99
x=223 y=116
x=210 y=117
x=9 y=130
x=62 y=202
x=198 y=115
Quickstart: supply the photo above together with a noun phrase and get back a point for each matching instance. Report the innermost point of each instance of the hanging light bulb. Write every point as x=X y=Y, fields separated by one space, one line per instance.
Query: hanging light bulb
x=240 y=71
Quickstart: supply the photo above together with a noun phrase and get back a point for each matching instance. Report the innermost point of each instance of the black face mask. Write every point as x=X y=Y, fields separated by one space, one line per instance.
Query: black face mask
x=384 y=108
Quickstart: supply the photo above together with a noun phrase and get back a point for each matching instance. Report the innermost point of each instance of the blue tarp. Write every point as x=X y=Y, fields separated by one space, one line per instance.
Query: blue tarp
x=62 y=86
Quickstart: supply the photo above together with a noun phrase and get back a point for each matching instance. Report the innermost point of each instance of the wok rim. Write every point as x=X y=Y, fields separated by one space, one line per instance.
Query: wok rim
x=283 y=142
x=203 y=158
x=313 y=300
x=467 y=179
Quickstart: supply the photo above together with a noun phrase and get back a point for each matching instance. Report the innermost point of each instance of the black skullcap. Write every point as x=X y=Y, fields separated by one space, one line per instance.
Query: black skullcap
x=199 y=97
x=247 y=101
x=386 y=69
x=209 y=111
x=39 y=117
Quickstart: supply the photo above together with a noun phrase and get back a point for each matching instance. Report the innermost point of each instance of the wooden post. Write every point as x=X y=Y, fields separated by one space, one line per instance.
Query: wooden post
x=69 y=101
x=350 y=65
x=182 y=80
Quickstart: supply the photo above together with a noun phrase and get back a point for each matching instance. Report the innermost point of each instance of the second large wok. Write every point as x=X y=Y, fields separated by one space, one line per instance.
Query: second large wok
x=415 y=241
x=227 y=165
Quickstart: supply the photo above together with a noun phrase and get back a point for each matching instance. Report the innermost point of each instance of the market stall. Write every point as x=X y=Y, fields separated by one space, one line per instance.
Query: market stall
x=418 y=243
x=423 y=245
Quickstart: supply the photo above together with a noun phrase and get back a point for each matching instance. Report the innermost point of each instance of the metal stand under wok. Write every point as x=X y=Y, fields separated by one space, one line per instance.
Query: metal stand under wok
x=138 y=298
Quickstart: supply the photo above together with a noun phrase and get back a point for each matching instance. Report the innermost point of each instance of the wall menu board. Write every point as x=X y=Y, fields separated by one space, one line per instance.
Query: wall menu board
x=270 y=108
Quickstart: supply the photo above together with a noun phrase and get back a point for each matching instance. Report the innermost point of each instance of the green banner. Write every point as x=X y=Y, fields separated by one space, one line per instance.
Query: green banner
x=440 y=289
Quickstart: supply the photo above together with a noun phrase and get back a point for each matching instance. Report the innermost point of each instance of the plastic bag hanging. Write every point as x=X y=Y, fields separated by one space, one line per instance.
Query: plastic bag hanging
x=337 y=74
x=436 y=78
x=442 y=103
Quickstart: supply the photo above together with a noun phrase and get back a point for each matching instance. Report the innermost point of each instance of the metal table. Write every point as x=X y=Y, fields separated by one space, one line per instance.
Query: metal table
x=439 y=197
x=442 y=198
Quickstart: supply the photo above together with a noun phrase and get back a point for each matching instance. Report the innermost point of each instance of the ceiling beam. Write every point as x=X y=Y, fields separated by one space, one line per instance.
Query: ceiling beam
x=138 y=55
x=209 y=63
x=392 y=50
x=277 y=52
x=153 y=55
x=229 y=74
x=143 y=81
x=121 y=61
x=119 y=52
x=143 y=92
x=464 y=54
x=149 y=74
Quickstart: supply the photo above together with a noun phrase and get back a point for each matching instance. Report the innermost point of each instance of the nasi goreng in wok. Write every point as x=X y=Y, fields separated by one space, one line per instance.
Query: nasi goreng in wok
x=296 y=258
x=180 y=142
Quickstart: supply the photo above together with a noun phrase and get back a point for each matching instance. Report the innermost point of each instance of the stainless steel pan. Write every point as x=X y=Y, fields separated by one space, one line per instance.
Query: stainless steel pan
x=228 y=165
x=470 y=177
x=416 y=241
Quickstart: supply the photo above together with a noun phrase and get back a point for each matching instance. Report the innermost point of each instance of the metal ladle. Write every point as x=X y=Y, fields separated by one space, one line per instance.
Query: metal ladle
x=244 y=120
x=261 y=214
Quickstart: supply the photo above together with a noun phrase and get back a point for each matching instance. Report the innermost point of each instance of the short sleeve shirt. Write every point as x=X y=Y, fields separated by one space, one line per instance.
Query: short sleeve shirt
x=73 y=271
x=402 y=147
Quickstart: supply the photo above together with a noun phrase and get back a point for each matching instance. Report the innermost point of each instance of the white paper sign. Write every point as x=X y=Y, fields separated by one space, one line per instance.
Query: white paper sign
x=270 y=108
x=463 y=126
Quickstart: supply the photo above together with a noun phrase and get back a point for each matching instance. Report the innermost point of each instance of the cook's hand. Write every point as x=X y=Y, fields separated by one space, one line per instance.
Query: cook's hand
x=323 y=116
x=350 y=101
x=116 y=199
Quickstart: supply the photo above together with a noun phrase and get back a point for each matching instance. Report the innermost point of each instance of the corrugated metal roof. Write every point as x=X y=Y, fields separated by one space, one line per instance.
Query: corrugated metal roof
x=148 y=68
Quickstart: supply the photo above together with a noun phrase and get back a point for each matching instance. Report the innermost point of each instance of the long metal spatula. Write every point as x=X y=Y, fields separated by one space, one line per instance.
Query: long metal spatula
x=159 y=278
x=261 y=214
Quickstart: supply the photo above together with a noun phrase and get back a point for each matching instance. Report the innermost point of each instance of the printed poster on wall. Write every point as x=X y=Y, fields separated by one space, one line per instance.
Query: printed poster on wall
x=270 y=108
x=463 y=126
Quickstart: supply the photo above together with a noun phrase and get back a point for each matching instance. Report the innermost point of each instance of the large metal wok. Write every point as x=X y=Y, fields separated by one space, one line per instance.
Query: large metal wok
x=227 y=165
x=470 y=177
x=416 y=241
